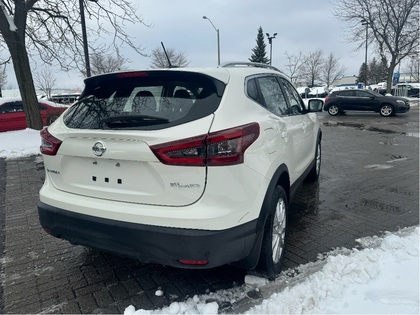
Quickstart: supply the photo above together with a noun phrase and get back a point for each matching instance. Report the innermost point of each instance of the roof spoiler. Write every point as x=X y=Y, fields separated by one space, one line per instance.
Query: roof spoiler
x=232 y=64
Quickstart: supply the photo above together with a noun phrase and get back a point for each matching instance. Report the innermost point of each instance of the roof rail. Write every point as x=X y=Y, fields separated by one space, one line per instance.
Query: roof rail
x=248 y=64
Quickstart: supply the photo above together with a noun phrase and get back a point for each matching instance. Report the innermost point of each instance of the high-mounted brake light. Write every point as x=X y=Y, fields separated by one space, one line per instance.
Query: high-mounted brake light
x=138 y=74
x=49 y=143
x=226 y=147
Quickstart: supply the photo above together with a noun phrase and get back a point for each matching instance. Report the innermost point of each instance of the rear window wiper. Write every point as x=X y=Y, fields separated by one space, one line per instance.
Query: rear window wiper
x=127 y=121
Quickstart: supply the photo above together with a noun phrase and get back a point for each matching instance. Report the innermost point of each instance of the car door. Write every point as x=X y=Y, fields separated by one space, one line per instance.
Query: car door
x=284 y=137
x=347 y=100
x=304 y=123
x=366 y=101
x=12 y=116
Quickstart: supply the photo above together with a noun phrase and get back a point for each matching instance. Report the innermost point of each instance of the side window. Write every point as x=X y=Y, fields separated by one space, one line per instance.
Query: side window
x=273 y=95
x=348 y=93
x=12 y=107
x=362 y=94
x=295 y=102
x=42 y=106
x=251 y=90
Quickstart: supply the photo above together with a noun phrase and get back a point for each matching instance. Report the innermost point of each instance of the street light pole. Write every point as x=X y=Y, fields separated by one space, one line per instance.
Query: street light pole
x=364 y=22
x=218 y=39
x=270 y=41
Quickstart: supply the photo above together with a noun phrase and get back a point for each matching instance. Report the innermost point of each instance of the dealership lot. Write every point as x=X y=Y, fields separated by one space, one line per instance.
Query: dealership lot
x=369 y=184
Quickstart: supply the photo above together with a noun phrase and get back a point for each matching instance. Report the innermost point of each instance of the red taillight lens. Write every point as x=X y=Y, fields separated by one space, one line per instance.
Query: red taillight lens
x=49 y=143
x=226 y=147
x=326 y=99
x=189 y=152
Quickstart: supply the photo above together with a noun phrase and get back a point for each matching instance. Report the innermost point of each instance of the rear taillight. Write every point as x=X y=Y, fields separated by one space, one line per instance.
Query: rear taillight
x=226 y=147
x=49 y=143
x=326 y=99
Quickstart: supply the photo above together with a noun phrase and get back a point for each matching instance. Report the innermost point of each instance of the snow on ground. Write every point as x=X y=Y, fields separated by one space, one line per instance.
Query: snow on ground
x=20 y=143
x=380 y=277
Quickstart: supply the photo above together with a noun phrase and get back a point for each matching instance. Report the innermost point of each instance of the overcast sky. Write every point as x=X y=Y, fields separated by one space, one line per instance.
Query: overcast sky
x=301 y=25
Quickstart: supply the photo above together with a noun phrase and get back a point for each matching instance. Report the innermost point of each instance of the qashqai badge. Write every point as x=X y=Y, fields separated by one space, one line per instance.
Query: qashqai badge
x=99 y=148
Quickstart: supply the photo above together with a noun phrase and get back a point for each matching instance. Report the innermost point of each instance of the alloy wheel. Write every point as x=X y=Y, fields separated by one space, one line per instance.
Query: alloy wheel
x=279 y=230
x=333 y=110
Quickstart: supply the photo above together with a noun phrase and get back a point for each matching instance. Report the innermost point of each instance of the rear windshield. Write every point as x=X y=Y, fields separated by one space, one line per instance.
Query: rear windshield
x=144 y=100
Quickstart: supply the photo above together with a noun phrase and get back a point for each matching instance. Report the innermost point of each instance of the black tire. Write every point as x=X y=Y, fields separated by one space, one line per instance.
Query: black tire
x=386 y=110
x=316 y=169
x=274 y=239
x=333 y=110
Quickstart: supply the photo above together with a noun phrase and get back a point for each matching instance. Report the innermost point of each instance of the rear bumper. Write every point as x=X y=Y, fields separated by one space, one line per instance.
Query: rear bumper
x=151 y=244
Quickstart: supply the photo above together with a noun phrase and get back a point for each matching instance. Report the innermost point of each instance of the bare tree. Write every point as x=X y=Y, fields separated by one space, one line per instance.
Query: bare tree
x=332 y=70
x=3 y=77
x=293 y=66
x=160 y=60
x=103 y=63
x=377 y=71
x=393 y=27
x=45 y=81
x=311 y=69
x=52 y=30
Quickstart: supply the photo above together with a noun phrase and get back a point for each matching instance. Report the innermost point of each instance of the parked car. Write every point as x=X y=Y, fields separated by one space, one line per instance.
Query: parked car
x=13 y=117
x=364 y=100
x=406 y=89
x=64 y=98
x=181 y=167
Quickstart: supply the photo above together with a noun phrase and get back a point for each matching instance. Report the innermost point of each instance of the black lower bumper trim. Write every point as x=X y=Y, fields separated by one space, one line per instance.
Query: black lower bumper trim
x=151 y=244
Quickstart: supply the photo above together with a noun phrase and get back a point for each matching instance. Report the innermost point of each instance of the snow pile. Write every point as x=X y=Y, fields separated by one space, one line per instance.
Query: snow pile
x=381 y=280
x=20 y=143
x=373 y=280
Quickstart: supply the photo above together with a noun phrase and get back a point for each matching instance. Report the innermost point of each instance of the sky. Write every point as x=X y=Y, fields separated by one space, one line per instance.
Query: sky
x=301 y=26
x=380 y=277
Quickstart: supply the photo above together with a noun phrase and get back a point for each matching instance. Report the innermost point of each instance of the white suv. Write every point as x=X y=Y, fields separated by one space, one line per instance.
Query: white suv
x=192 y=168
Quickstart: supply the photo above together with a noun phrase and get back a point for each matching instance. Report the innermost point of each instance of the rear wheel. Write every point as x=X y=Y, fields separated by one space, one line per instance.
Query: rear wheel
x=333 y=110
x=386 y=110
x=274 y=240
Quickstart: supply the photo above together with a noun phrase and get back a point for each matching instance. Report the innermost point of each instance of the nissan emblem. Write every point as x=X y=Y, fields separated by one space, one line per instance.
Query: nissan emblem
x=99 y=148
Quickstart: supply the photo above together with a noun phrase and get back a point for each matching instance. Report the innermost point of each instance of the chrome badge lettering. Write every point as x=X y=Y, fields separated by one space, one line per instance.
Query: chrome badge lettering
x=99 y=148
x=53 y=171
x=178 y=185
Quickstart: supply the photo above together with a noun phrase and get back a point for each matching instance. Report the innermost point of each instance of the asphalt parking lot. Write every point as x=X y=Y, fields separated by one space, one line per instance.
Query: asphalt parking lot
x=369 y=184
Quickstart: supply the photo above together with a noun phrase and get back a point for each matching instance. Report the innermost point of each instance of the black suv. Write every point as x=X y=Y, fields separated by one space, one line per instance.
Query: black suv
x=364 y=100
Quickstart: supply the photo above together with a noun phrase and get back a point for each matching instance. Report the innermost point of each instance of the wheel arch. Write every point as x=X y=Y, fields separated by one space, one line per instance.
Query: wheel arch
x=332 y=103
x=386 y=104
x=280 y=177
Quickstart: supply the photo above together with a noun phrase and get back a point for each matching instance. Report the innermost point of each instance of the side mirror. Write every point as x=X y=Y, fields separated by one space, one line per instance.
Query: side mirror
x=315 y=105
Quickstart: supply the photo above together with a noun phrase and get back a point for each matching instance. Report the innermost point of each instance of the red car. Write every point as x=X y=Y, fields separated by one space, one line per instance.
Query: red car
x=12 y=116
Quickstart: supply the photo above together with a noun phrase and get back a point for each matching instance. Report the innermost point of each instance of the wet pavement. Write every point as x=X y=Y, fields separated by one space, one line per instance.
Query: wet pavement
x=369 y=184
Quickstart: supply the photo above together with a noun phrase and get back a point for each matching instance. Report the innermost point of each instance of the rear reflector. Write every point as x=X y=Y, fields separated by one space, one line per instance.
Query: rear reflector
x=226 y=147
x=193 y=262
